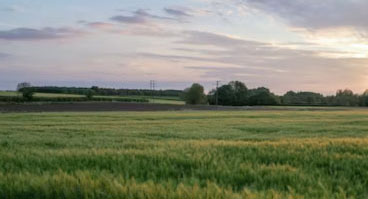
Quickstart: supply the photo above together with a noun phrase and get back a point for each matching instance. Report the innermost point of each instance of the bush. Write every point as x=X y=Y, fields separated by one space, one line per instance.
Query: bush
x=195 y=95
x=262 y=96
x=27 y=93
x=89 y=94
x=235 y=93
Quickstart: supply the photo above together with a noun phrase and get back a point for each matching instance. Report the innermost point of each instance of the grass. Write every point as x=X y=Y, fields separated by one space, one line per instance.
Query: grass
x=57 y=95
x=156 y=99
x=13 y=93
x=166 y=101
x=9 y=93
x=243 y=154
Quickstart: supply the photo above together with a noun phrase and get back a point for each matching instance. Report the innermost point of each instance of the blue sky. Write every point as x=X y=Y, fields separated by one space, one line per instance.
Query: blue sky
x=285 y=45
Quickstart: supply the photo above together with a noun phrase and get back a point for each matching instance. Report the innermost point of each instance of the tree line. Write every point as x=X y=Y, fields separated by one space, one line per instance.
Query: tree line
x=102 y=91
x=236 y=93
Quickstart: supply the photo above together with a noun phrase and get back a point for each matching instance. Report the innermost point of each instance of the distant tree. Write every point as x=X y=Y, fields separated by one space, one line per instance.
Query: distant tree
x=302 y=98
x=365 y=93
x=226 y=95
x=107 y=91
x=90 y=93
x=23 y=85
x=240 y=93
x=262 y=96
x=95 y=88
x=235 y=93
x=363 y=99
x=27 y=93
x=346 y=98
x=195 y=94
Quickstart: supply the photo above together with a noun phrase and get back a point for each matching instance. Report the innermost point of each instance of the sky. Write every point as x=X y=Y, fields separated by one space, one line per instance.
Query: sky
x=300 y=45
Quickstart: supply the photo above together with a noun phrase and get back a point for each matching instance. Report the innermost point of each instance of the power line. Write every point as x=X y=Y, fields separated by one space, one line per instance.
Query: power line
x=152 y=85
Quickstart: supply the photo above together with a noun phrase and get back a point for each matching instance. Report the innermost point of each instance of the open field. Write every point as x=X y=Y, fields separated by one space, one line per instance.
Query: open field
x=131 y=106
x=99 y=106
x=13 y=93
x=191 y=154
x=155 y=100
x=9 y=93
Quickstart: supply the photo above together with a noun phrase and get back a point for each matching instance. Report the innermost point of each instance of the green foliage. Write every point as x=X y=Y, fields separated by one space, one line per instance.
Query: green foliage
x=23 y=85
x=89 y=93
x=107 y=91
x=303 y=98
x=262 y=96
x=363 y=99
x=241 y=154
x=233 y=94
x=240 y=93
x=346 y=98
x=27 y=93
x=195 y=95
x=237 y=94
x=225 y=95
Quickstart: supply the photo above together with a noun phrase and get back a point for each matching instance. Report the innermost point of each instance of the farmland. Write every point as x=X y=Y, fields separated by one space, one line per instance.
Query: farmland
x=187 y=154
x=151 y=99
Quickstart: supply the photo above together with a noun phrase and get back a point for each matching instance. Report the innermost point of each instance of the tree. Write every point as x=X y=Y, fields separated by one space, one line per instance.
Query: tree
x=262 y=96
x=346 y=98
x=89 y=94
x=364 y=99
x=240 y=93
x=95 y=88
x=226 y=95
x=235 y=93
x=27 y=93
x=195 y=94
x=23 y=85
x=303 y=98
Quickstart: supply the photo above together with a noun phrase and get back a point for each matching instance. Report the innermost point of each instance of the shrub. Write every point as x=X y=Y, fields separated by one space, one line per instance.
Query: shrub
x=27 y=93
x=195 y=95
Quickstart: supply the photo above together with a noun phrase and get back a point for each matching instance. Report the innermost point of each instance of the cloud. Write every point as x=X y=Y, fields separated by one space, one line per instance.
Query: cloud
x=100 y=25
x=8 y=9
x=139 y=16
x=4 y=55
x=143 y=23
x=144 y=13
x=170 y=57
x=316 y=14
x=177 y=12
x=207 y=38
x=38 y=34
x=136 y=19
x=227 y=58
x=12 y=8
x=147 y=31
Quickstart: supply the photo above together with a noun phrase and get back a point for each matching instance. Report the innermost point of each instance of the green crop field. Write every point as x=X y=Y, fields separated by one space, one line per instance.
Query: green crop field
x=13 y=93
x=240 y=154
x=9 y=93
x=156 y=99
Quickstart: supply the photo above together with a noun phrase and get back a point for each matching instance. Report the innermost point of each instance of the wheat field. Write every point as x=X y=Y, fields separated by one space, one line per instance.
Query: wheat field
x=188 y=154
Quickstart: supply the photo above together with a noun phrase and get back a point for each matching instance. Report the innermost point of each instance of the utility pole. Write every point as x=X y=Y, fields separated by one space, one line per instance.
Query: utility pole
x=152 y=88
x=217 y=85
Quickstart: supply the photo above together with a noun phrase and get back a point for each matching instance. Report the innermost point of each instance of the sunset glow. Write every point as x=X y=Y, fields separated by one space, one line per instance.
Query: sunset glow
x=119 y=43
